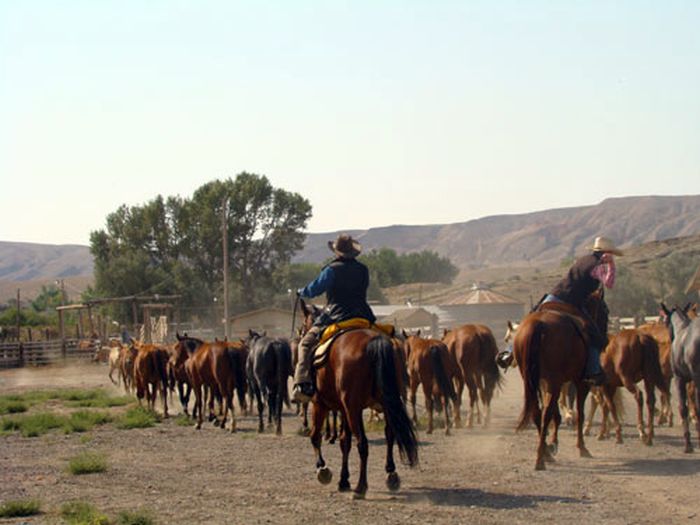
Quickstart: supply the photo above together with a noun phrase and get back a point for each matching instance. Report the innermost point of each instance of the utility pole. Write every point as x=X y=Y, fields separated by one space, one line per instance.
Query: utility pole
x=19 y=324
x=224 y=230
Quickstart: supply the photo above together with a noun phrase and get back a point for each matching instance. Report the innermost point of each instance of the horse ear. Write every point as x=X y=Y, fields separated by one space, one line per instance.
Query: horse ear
x=250 y=332
x=686 y=308
x=445 y=331
x=418 y=333
x=510 y=325
x=264 y=334
x=403 y=332
x=665 y=311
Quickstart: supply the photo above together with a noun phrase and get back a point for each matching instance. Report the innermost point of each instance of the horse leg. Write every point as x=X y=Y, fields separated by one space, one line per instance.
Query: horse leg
x=334 y=434
x=427 y=392
x=327 y=427
x=683 y=410
x=651 y=401
x=345 y=446
x=473 y=400
x=581 y=393
x=305 y=416
x=697 y=407
x=318 y=416
x=413 y=387
x=458 y=402
x=278 y=410
x=447 y=415
x=639 y=398
x=552 y=403
x=589 y=419
x=198 y=405
x=609 y=407
x=356 y=426
x=550 y=398
x=393 y=482
x=259 y=399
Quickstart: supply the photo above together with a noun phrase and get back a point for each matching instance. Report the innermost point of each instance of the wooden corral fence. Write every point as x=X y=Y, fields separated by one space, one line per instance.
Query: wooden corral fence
x=18 y=354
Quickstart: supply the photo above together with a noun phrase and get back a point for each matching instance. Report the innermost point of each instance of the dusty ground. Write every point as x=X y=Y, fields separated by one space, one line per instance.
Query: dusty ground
x=474 y=476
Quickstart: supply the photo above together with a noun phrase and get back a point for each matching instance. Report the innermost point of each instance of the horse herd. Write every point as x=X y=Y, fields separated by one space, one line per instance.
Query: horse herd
x=369 y=370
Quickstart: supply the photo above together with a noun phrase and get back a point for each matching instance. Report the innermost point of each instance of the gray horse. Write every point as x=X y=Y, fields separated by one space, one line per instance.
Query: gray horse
x=685 y=362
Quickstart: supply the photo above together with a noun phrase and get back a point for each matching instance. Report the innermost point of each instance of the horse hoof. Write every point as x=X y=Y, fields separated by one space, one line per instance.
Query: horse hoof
x=540 y=466
x=197 y=426
x=584 y=453
x=324 y=475
x=344 y=486
x=688 y=449
x=393 y=482
x=358 y=495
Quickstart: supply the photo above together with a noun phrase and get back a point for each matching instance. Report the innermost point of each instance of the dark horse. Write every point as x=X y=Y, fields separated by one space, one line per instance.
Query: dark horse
x=268 y=368
x=361 y=372
x=550 y=350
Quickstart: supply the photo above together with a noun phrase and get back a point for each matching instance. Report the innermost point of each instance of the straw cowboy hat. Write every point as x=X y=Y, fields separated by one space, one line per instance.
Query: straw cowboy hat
x=345 y=246
x=605 y=245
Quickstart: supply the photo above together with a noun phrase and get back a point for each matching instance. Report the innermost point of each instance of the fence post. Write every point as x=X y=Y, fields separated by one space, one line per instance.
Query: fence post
x=21 y=354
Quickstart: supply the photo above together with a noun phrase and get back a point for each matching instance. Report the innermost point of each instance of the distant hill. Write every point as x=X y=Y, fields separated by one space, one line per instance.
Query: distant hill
x=483 y=248
x=543 y=236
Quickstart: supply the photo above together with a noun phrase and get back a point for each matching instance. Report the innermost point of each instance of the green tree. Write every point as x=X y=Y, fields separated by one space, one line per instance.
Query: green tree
x=174 y=245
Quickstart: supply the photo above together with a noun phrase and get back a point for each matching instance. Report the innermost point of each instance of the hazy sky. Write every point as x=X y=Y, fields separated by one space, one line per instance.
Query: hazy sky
x=379 y=112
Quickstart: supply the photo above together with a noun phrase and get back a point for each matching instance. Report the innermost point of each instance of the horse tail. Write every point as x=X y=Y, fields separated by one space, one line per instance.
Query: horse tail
x=283 y=353
x=381 y=353
x=160 y=367
x=236 y=359
x=446 y=386
x=492 y=374
x=651 y=363
x=531 y=371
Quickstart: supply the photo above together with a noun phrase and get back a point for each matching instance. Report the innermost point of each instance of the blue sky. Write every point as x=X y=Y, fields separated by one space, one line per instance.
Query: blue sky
x=383 y=112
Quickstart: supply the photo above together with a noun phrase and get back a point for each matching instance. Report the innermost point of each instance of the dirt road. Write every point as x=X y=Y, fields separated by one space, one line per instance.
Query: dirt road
x=473 y=476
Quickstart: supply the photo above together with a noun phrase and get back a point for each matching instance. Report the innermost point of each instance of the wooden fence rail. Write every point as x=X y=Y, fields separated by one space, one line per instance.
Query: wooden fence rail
x=37 y=353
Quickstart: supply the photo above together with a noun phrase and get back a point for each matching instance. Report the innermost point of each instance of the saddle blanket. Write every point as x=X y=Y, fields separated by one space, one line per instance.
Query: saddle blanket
x=334 y=330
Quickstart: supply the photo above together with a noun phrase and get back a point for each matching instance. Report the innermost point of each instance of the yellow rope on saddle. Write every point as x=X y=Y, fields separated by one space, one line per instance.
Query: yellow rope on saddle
x=355 y=322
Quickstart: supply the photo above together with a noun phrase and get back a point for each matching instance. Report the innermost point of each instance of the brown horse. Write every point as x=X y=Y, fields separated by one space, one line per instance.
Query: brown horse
x=660 y=333
x=361 y=372
x=150 y=374
x=550 y=350
x=431 y=365
x=630 y=357
x=474 y=348
x=219 y=365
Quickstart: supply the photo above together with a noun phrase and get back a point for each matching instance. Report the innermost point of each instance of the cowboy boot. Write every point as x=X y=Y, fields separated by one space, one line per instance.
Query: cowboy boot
x=303 y=389
x=593 y=373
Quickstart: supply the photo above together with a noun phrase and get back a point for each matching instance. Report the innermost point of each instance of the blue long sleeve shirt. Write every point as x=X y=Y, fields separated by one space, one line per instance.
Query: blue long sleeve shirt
x=320 y=285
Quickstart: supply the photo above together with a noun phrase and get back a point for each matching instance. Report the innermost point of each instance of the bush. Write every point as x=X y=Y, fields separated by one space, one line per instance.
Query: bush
x=19 y=508
x=84 y=420
x=87 y=463
x=82 y=513
x=12 y=407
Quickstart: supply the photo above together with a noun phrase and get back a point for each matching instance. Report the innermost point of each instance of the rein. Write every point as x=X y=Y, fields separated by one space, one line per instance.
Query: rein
x=294 y=315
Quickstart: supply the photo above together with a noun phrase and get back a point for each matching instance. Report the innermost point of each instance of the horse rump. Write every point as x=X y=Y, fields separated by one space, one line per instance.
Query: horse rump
x=527 y=342
x=381 y=353
x=446 y=387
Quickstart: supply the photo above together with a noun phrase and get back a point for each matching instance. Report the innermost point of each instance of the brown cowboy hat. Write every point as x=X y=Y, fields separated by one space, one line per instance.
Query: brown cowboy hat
x=345 y=246
x=603 y=244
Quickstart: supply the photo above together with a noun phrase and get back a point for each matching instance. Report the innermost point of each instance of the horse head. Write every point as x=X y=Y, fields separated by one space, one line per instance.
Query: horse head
x=311 y=313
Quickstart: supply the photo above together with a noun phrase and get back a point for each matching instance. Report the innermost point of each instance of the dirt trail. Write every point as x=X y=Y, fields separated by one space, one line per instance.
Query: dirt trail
x=475 y=475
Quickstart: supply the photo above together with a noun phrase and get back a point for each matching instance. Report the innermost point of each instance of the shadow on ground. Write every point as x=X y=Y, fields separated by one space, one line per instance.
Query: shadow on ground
x=480 y=498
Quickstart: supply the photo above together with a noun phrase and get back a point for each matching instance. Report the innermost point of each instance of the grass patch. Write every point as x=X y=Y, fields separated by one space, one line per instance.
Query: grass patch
x=32 y=425
x=85 y=398
x=87 y=463
x=136 y=517
x=183 y=421
x=20 y=508
x=82 y=513
x=84 y=420
x=138 y=417
x=10 y=406
x=40 y=423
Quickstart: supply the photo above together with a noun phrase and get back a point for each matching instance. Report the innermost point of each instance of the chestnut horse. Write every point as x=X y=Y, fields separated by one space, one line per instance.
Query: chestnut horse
x=660 y=333
x=474 y=348
x=550 y=350
x=630 y=357
x=432 y=366
x=150 y=374
x=361 y=372
x=219 y=365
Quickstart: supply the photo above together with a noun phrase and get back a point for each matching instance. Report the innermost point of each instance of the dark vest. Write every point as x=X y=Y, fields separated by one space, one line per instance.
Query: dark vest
x=347 y=298
x=578 y=283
